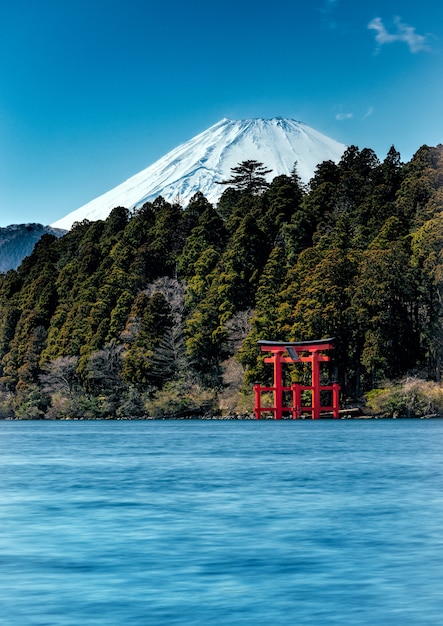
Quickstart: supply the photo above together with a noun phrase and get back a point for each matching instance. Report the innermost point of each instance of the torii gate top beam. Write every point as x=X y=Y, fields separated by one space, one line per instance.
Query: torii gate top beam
x=312 y=342
x=298 y=346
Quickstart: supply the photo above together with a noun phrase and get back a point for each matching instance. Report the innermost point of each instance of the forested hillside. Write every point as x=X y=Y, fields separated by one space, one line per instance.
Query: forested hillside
x=159 y=312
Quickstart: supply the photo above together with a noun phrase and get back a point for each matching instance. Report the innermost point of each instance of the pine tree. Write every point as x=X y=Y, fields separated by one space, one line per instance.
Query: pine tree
x=427 y=259
x=249 y=177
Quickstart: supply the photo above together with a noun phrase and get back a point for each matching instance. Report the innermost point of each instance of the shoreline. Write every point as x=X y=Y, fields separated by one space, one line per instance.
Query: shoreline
x=222 y=418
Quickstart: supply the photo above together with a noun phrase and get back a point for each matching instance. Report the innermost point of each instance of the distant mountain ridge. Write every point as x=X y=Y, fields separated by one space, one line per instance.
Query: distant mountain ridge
x=199 y=163
x=18 y=240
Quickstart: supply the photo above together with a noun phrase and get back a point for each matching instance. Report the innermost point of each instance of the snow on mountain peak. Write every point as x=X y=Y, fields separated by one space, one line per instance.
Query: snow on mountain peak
x=199 y=163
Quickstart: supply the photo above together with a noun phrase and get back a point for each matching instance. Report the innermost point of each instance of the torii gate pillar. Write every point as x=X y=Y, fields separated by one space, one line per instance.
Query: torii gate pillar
x=290 y=352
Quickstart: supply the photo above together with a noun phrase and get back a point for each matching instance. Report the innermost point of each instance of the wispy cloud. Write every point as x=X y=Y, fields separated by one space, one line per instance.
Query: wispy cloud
x=343 y=116
x=369 y=112
x=403 y=33
x=327 y=9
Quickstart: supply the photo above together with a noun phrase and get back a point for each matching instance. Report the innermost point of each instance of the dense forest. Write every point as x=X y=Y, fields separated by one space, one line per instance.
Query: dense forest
x=158 y=311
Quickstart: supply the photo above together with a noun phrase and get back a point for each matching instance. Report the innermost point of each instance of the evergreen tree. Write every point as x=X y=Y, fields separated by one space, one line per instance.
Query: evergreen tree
x=427 y=260
x=383 y=305
x=265 y=318
x=209 y=232
x=249 y=177
x=148 y=323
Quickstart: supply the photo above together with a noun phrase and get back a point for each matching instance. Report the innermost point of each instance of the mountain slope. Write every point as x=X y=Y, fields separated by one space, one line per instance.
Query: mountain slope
x=207 y=158
x=18 y=241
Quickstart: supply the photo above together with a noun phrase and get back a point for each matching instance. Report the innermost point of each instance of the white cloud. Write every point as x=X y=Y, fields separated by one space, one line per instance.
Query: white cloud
x=403 y=33
x=343 y=116
x=369 y=112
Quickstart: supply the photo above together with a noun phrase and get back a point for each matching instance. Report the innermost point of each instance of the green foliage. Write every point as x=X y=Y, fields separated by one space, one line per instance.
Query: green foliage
x=230 y=288
x=180 y=398
x=265 y=319
x=150 y=319
x=409 y=398
x=228 y=200
x=249 y=177
x=382 y=305
x=427 y=263
x=6 y=405
x=29 y=404
x=208 y=233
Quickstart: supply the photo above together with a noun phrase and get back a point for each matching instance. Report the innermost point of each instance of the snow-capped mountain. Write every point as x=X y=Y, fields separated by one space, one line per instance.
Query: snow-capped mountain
x=199 y=163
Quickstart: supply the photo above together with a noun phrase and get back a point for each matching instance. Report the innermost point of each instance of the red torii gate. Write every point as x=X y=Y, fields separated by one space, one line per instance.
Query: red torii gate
x=293 y=350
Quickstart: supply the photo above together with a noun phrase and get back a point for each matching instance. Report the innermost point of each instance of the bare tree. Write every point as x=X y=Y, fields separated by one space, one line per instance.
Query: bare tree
x=238 y=328
x=60 y=376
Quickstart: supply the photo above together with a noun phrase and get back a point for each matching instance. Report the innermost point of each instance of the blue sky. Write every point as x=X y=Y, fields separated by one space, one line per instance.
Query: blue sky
x=93 y=91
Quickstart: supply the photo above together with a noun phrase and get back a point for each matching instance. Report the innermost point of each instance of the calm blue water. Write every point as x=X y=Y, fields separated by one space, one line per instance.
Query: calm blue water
x=221 y=523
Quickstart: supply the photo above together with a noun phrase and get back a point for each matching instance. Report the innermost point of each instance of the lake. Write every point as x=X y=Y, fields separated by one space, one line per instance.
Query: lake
x=213 y=523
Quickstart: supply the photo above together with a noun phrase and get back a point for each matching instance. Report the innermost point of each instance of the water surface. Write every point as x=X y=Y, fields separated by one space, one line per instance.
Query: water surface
x=221 y=523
